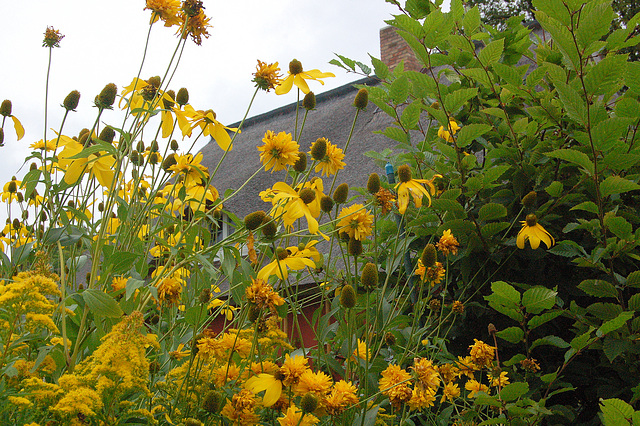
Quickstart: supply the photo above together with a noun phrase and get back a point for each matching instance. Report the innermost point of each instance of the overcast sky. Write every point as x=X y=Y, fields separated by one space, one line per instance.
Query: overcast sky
x=104 y=42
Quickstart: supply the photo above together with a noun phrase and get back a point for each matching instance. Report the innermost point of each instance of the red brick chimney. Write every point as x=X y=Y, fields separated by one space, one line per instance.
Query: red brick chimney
x=394 y=49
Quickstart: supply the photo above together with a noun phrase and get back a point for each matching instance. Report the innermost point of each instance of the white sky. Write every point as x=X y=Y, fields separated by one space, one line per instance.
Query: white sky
x=104 y=41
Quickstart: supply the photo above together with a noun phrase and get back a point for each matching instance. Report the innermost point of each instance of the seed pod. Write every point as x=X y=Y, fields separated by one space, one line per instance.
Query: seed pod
x=362 y=99
x=319 y=149
x=154 y=146
x=348 y=297
x=301 y=163
x=182 y=97
x=70 y=103
x=309 y=101
x=309 y=403
x=326 y=204
x=140 y=146
x=373 y=183
x=307 y=195
x=205 y=296
x=5 y=108
x=404 y=173
x=174 y=145
x=369 y=277
x=295 y=67
x=341 y=193
x=168 y=162
x=169 y=103
x=530 y=199
x=429 y=255
x=107 y=96
x=269 y=227
x=254 y=313
x=354 y=247
x=253 y=220
x=33 y=166
x=212 y=402
x=107 y=134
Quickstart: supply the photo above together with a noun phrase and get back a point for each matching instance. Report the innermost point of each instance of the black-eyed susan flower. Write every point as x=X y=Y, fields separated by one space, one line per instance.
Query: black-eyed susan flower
x=288 y=375
x=298 y=77
x=534 y=233
x=290 y=204
x=267 y=76
x=356 y=221
x=278 y=151
x=448 y=134
x=206 y=120
x=331 y=162
x=413 y=187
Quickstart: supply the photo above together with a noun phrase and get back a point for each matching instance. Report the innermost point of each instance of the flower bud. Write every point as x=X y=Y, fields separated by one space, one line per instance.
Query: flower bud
x=341 y=193
x=429 y=256
x=107 y=134
x=101 y=207
x=154 y=146
x=373 y=183
x=404 y=173
x=174 y=145
x=269 y=227
x=348 y=297
x=530 y=199
x=301 y=163
x=5 y=108
x=20 y=198
x=182 y=97
x=362 y=99
x=309 y=403
x=354 y=247
x=369 y=277
x=107 y=96
x=70 y=103
x=309 y=101
x=140 y=146
x=33 y=166
x=168 y=162
x=457 y=307
x=307 y=195
x=295 y=67
x=135 y=157
x=253 y=220
x=319 y=149
x=326 y=204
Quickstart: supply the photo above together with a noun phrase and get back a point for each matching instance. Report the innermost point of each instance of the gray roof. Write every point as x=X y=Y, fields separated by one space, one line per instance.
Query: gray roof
x=332 y=119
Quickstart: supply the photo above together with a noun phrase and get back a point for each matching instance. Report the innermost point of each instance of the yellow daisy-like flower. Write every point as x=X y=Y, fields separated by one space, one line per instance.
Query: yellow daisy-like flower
x=501 y=380
x=412 y=187
x=427 y=373
x=189 y=118
x=119 y=283
x=361 y=351
x=332 y=161
x=295 y=417
x=278 y=151
x=448 y=134
x=166 y=10
x=421 y=399
x=481 y=354
x=317 y=383
x=448 y=243
x=290 y=205
x=195 y=26
x=98 y=165
x=356 y=221
x=450 y=392
x=297 y=76
x=473 y=386
x=190 y=167
x=49 y=145
x=535 y=233
x=394 y=383
x=261 y=294
x=267 y=76
x=291 y=258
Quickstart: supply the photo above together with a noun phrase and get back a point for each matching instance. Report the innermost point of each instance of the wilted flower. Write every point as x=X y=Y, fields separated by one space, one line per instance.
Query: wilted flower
x=267 y=76
x=52 y=38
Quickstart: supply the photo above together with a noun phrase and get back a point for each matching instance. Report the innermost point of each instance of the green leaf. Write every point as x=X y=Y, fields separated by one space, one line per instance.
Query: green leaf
x=567 y=248
x=101 y=303
x=595 y=20
x=131 y=286
x=513 y=391
x=550 y=341
x=618 y=226
x=606 y=76
x=471 y=21
x=492 y=211
x=588 y=206
x=411 y=114
x=614 y=324
x=120 y=261
x=469 y=133
x=580 y=341
x=608 y=133
x=539 y=320
x=616 y=185
x=561 y=36
x=506 y=292
x=615 y=412
x=456 y=100
x=573 y=104
x=604 y=311
x=30 y=181
x=477 y=74
x=576 y=157
x=496 y=112
x=537 y=299
x=399 y=90
x=633 y=279
x=598 y=288
x=491 y=229
x=396 y=134
x=632 y=76
x=612 y=348
x=554 y=189
x=508 y=74
x=380 y=68
x=511 y=334
x=492 y=52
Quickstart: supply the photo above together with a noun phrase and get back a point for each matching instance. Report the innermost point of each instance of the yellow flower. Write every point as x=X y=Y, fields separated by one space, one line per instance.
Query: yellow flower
x=98 y=165
x=190 y=167
x=50 y=145
x=317 y=383
x=225 y=308
x=297 y=76
x=501 y=380
x=119 y=283
x=534 y=232
x=261 y=294
x=481 y=353
x=289 y=205
x=421 y=399
x=166 y=10
x=361 y=351
x=428 y=376
x=206 y=120
x=288 y=375
x=356 y=221
x=195 y=26
x=267 y=77
x=448 y=243
x=241 y=409
x=5 y=111
x=295 y=417
x=52 y=38
x=343 y=394
x=474 y=387
x=290 y=258
x=332 y=161
x=413 y=187
x=278 y=151
x=394 y=383
x=450 y=392
x=10 y=190
x=448 y=134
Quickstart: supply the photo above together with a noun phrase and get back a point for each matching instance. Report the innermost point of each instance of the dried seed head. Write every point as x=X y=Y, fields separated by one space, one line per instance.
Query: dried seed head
x=530 y=199
x=404 y=173
x=140 y=146
x=282 y=253
x=5 y=108
x=107 y=96
x=373 y=183
x=429 y=255
x=341 y=193
x=205 y=296
x=348 y=297
x=154 y=146
x=107 y=134
x=369 y=278
x=319 y=149
x=362 y=99
x=70 y=103
x=307 y=195
x=183 y=97
x=301 y=163
x=309 y=403
x=389 y=339
x=33 y=166
x=354 y=247
x=168 y=162
x=253 y=220
x=309 y=101
x=326 y=204
x=295 y=67
x=269 y=227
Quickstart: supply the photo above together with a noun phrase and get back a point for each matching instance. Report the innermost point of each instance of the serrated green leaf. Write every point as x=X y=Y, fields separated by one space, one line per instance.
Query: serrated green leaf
x=614 y=324
x=447 y=205
x=496 y=112
x=492 y=52
x=471 y=21
x=615 y=412
x=598 y=288
x=101 y=303
x=576 y=157
x=511 y=334
x=550 y=341
x=632 y=76
x=396 y=134
x=573 y=103
x=618 y=226
x=607 y=134
x=492 y=211
x=588 y=206
x=616 y=185
x=506 y=292
x=633 y=279
x=627 y=107
x=580 y=341
x=612 y=348
x=567 y=248
x=604 y=311
x=595 y=20
x=131 y=286
x=606 y=76
x=513 y=391
x=380 y=68
x=538 y=320
x=554 y=189
x=469 y=133
x=399 y=90
x=477 y=74
x=537 y=299
x=411 y=114
x=491 y=229
x=455 y=100
x=561 y=36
